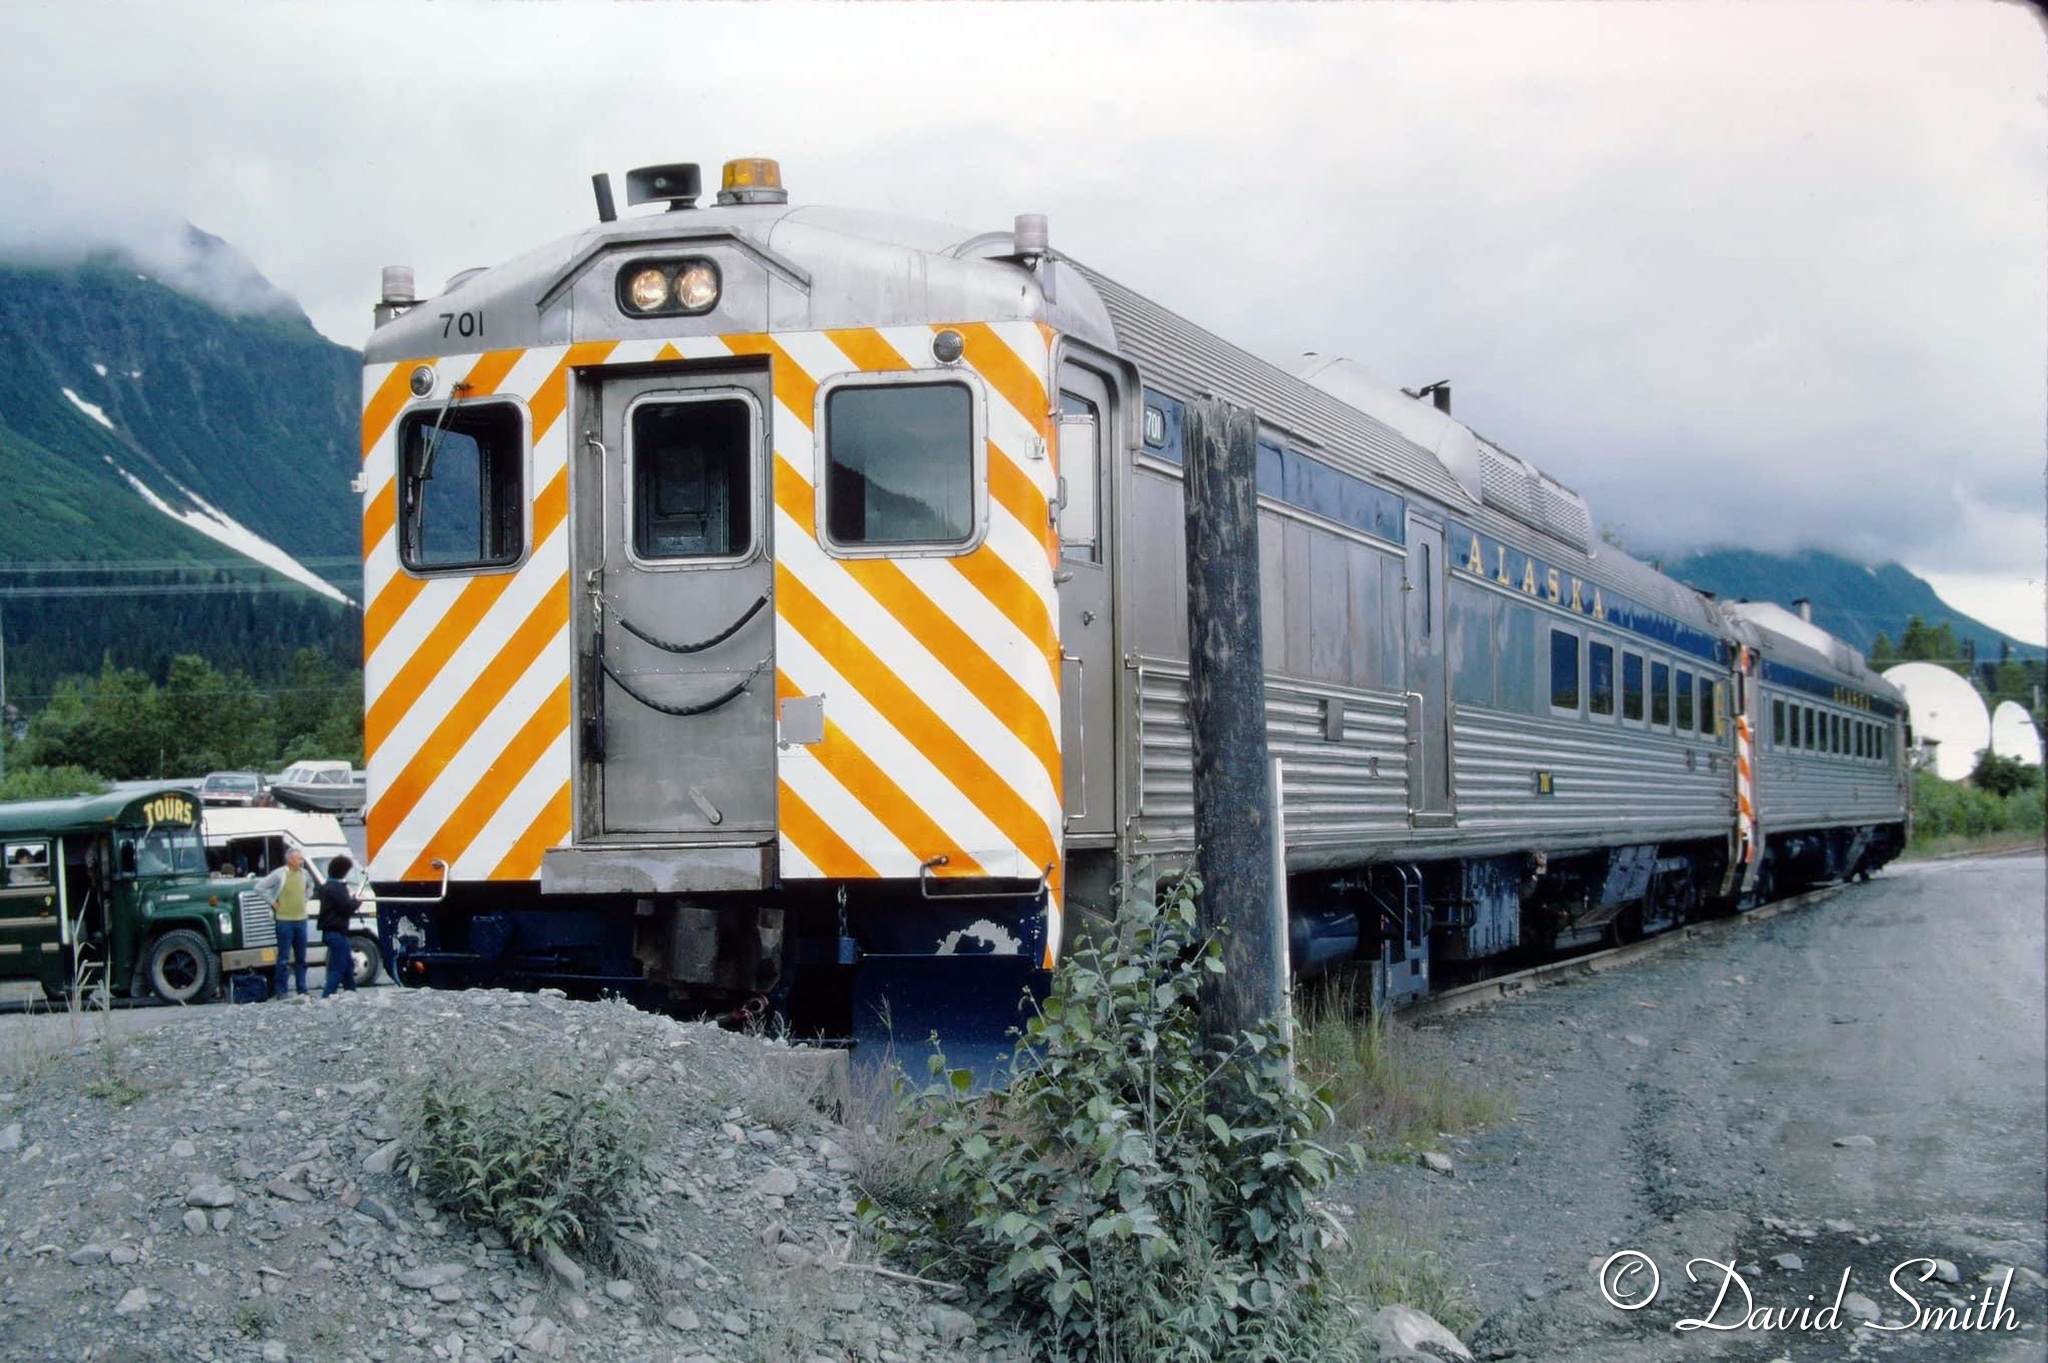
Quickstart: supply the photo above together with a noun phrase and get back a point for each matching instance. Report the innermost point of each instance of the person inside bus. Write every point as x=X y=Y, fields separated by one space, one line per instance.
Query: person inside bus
x=288 y=889
x=29 y=866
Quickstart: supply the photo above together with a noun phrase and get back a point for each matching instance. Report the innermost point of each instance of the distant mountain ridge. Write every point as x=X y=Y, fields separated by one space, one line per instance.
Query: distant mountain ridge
x=1851 y=601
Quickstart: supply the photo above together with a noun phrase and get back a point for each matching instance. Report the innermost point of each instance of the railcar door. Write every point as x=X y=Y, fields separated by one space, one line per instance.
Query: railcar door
x=676 y=626
x=1429 y=726
x=1087 y=432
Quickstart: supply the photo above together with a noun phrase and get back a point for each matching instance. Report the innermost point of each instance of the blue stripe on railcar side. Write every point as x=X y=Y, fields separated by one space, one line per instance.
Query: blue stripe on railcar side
x=1290 y=476
x=1487 y=559
x=1794 y=679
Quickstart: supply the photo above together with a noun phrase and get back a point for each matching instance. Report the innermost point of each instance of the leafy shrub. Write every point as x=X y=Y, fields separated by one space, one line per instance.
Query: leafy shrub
x=2002 y=776
x=1131 y=1195
x=1950 y=810
x=541 y=1146
x=50 y=783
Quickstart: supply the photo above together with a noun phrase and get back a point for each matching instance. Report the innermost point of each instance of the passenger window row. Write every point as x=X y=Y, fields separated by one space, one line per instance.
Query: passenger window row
x=1806 y=728
x=1676 y=697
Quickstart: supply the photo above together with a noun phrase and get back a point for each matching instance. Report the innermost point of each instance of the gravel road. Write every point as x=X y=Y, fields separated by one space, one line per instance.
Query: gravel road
x=1844 y=1088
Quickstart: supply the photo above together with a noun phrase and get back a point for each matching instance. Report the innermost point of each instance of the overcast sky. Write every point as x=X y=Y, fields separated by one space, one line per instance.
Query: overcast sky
x=1765 y=273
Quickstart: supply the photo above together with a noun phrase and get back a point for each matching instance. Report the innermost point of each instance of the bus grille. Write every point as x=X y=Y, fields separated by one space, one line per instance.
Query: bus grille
x=259 y=928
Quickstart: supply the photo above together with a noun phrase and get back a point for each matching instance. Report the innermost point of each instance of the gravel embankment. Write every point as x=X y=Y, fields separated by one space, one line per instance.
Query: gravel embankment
x=223 y=1188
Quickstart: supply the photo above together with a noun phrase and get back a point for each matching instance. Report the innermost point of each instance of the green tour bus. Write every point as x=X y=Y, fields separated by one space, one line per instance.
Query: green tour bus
x=115 y=889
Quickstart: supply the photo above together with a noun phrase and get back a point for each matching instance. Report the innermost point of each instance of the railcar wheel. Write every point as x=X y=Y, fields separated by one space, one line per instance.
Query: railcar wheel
x=182 y=967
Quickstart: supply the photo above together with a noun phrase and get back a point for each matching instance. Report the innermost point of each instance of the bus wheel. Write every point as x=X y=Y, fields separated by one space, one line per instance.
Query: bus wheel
x=182 y=967
x=369 y=961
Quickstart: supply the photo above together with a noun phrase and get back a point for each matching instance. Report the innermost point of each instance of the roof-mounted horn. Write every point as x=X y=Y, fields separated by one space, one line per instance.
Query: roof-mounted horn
x=680 y=184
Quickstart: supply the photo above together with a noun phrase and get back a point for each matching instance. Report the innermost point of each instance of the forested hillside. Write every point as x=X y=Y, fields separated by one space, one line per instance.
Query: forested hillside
x=174 y=476
x=255 y=414
x=1853 y=602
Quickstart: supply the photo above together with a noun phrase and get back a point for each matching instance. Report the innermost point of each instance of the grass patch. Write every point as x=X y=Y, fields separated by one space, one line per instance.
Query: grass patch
x=255 y=1319
x=793 y=1087
x=1390 y=1087
x=1387 y=1261
x=895 y=1147
x=1961 y=845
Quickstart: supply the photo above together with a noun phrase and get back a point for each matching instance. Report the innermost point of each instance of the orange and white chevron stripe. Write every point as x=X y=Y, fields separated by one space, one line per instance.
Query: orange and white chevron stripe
x=1745 y=781
x=941 y=675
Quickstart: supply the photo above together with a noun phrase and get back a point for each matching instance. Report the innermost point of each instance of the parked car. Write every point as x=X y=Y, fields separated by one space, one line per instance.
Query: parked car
x=245 y=788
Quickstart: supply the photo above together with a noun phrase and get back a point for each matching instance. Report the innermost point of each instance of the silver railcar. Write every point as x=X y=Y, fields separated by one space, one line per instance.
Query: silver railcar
x=778 y=607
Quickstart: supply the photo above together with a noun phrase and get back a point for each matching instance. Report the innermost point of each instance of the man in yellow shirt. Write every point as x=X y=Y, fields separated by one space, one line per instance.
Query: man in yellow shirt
x=288 y=888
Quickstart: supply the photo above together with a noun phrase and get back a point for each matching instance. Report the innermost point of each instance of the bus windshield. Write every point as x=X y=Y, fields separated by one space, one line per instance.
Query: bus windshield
x=162 y=850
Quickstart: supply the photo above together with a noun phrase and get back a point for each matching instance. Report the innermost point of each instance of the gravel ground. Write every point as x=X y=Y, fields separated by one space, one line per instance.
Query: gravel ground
x=1846 y=1087
x=223 y=1188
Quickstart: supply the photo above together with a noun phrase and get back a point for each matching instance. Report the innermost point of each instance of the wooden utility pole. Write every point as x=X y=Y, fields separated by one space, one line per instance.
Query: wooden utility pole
x=1227 y=714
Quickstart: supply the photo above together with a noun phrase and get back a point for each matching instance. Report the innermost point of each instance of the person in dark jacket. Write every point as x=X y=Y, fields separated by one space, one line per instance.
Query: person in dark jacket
x=337 y=907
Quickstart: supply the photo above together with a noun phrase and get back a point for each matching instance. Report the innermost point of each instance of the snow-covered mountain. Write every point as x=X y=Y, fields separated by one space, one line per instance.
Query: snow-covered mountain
x=174 y=409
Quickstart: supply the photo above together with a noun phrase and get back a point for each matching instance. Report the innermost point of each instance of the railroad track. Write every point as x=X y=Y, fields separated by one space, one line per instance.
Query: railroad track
x=1521 y=982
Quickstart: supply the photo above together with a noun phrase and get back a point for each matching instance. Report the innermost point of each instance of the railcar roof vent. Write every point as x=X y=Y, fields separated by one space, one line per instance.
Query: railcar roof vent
x=1429 y=426
x=680 y=184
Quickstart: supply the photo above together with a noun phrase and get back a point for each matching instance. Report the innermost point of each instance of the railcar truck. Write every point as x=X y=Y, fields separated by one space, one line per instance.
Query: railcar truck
x=113 y=890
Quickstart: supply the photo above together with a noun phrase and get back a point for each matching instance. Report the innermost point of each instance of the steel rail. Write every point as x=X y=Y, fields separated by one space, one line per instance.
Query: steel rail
x=1520 y=982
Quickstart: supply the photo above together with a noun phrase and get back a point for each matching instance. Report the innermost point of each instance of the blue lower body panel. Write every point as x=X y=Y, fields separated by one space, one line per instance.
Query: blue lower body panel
x=971 y=1008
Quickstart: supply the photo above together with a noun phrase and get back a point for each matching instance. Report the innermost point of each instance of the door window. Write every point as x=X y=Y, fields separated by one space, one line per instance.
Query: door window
x=692 y=472
x=1080 y=479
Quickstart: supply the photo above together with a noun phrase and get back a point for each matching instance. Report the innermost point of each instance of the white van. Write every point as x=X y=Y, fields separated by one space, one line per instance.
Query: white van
x=252 y=842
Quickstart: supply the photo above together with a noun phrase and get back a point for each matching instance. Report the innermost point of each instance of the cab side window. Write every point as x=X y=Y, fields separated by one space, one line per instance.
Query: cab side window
x=462 y=487
x=900 y=465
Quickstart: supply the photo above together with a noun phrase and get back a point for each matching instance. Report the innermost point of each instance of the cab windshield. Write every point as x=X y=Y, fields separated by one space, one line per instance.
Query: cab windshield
x=162 y=850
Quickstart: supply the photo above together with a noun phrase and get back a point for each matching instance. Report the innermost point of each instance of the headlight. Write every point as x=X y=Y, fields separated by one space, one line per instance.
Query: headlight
x=696 y=286
x=668 y=288
x=647 y=290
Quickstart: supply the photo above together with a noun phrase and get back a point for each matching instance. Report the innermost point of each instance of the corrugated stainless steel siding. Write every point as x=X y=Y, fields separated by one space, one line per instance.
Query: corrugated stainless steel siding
x=1333 y=793
x=1611 y=786
x=1818 y=790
